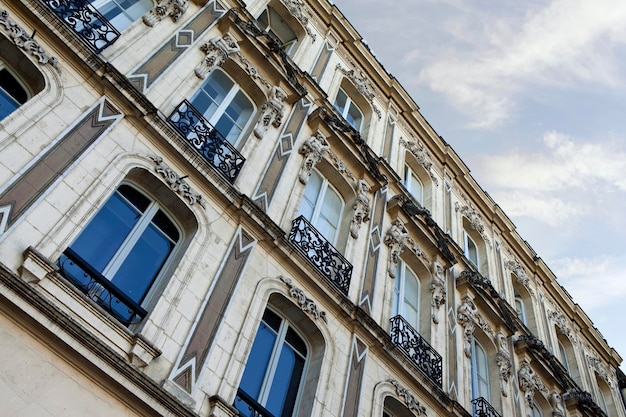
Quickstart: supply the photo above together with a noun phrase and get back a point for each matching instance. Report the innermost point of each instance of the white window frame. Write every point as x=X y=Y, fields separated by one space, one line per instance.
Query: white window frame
x=414 y=184
x=321 y=195
x=468 y=241
x=399 y=292
x=521 y=314
x=346 y=110
x=476 y=348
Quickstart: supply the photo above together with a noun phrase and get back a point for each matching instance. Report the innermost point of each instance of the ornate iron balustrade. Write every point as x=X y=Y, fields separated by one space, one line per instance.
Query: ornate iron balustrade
x=416 y=348
x=312 y=244
x=97 y=287
x=251 y=407
x=86 y=21
x=206 y=139
x=482 y=408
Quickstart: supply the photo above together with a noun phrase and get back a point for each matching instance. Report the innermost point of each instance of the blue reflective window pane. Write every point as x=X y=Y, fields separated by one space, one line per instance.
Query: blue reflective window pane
x=282 y=397
x=7 y=104
x=105 y=233
x=143 y=263
x=258 y=361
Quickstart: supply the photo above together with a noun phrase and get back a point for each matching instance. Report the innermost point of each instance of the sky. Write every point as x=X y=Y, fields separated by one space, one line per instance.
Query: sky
x=532 y=96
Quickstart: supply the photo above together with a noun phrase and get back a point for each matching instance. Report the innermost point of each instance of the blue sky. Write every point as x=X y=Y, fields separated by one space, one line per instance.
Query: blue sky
x=532 y=96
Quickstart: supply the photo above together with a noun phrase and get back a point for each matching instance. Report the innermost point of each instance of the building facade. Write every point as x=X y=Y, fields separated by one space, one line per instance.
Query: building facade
x=229 y=207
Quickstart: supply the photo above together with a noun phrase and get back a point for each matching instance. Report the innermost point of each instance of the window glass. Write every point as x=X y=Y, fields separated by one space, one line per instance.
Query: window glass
x=322 y=206
x=406 y=291
x=349 y=110
x=12 y=94
x=128 y=241
x=563 y=355
x=121 y=13
x=471 y=251
x=413 y=185
x=480 y=373
x=520 y=309
x=223 y=105
x=272 y=22
x=273 y=374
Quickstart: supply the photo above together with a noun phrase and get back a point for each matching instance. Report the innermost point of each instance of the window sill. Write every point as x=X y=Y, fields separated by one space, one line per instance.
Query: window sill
x=40 y=272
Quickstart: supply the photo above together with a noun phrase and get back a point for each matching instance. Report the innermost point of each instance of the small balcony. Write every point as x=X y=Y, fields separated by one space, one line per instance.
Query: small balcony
x=207 y=141
x=249 y=407
x=86 y=21
x=99 y=289
x=416 y=348
x=312 y=244
x=482 y=408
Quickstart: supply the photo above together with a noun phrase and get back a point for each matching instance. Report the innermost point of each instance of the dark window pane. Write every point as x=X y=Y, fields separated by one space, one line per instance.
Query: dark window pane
x=296 y=342
x=140 y=201
x=12 y=87
x=164 y=223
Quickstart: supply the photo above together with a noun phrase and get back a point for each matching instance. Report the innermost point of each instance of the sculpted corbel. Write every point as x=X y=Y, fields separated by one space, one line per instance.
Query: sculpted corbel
x=503 y=359
x=313 y=150
x=466 y=317
x=272 y=112
x=164 y=8
x=529 y=382
x=438 y=290
x=557 y=404
x=395 y=239
x=217 y=51
x=361 y=208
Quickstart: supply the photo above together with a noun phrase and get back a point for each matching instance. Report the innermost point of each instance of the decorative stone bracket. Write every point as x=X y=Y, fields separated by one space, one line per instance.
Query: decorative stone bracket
x=519 y=271
x=503 y=359
x=313 y=150
x=438 y=290
x=165 y=8
x=306 y=304
x=217 y=51
x=298 y=10
x=529 y=382
x=397 y=238
x=272 y=112
x=468 y=317
x=177 y=183
x=476 y=222
x=363 y=86
x=361 y=208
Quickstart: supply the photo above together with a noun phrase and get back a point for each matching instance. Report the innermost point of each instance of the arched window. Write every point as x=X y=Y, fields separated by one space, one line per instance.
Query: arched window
x=480 y=372
x=413 y=185
x=322 y=206
x=471 y=251
x=119 y=258
x=274 y=373
x=121 y=13
x=224 y=105
x=272 y=22
x=394 y=408
x=520 y=308
x=349 y=110
x=605 y=399
x=563 y=355
x=406 y=295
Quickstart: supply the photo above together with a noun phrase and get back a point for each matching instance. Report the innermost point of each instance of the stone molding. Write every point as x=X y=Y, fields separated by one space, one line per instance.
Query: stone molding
x=466 y=317
x=305 y=303
x=518 y=269
x=26 y=42
x=177 y=183
x=313 y=150
x=529 y=382
x=298 y=10
x=164 y=8
x=503 y=359
x=217 y=51
x=363 y=86
x=421 y=154
x=476 y=221
x=409 y=399
x=597 y=365
x=562 y=324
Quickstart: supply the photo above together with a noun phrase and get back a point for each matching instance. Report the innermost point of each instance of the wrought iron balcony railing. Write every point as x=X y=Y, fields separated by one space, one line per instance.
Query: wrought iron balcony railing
x=312 y=244
x=249 y=407
x=416 y=348
x=86 y=21
x=206 y=139
x=482 y=408
x=98 y=288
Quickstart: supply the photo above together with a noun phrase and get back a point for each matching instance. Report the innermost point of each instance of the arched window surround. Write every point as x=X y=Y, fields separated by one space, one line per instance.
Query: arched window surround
x=471 y=238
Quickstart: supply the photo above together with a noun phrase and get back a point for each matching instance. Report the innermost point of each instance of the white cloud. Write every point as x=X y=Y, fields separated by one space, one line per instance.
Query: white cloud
x=555 y=184
x=564 y=44
x=592 y=282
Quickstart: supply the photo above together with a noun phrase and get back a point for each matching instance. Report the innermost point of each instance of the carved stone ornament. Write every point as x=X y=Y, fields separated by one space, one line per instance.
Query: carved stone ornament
x=503 y=359
x=529 y=382
x=313 y=150
x=556 y=402
x=363 y=86
x=423 y=157
x=409 y=399
x=341 y=166
x=24 y=41
x=298 y=10
x=165 y=8
x=272 y=112
x=600 y=369
x=563 y=325
x=476 y=222
x=519 y=271
x=177 y=183
x=438 y=291
x=361 y=208
x=217 y=51
x=306 y=304
x=466 y=317
x=395 y=240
